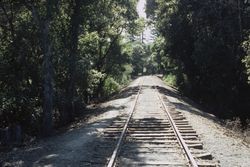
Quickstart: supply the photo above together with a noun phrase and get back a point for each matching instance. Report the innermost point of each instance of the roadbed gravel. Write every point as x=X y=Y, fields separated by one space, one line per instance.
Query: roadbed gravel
x=78 y=145
x=226 y=146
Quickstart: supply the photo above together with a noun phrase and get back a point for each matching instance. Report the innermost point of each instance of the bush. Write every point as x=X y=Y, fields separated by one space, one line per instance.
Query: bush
x=170 y=79
x=94 y=78
x=110 y=86
x=246 y=60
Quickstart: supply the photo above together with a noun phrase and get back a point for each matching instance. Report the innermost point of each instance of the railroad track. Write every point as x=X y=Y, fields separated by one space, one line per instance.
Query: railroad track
x=155 y=134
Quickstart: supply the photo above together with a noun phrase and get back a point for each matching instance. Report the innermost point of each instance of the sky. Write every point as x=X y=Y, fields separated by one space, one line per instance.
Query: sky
x=141 y=8
x=148 y=37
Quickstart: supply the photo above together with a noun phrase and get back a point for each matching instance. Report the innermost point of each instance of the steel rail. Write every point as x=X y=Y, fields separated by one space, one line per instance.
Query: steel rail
x=178 y=134
x=123 y=134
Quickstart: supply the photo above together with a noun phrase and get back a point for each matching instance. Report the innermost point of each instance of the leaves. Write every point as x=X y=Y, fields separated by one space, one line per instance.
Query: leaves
x=88 y=56
x=246 y=60
x=203 y=49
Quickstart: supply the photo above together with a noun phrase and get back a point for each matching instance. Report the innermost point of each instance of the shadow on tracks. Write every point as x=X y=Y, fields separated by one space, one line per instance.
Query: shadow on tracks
x=132 y=151
x=79 y=145
x=137 y=152
x=126 y=92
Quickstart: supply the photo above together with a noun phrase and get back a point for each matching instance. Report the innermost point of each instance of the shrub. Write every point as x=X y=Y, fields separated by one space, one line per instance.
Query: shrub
x=110 y=86
x=170 y=79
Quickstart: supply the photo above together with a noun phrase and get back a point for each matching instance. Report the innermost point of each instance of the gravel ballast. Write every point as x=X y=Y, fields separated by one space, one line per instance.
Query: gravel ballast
x=227 y=147
x=77 y=146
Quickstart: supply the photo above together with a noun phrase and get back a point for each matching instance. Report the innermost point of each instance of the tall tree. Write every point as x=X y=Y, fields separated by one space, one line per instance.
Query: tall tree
x=203 y=40
x=75 y=22
x=43 y=22
x=56 y=54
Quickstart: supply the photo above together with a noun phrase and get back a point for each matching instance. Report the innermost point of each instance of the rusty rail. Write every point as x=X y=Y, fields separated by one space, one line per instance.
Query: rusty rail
x=123 y=134
x=190 y=157
x=181 y=141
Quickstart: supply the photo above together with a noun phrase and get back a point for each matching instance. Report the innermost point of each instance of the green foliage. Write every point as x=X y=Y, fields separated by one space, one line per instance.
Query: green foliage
x=200 y=43
x=151 y=7
x=141 y=24
x=170 y=79
x=126 y=77
x=139 y=58
x=94 y=78
x=80 y=47
x=158 y=54
x=246 y=60
x=110 y=86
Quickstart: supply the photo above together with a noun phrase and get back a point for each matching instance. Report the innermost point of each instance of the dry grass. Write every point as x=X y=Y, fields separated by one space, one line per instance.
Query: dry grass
x=236 y=126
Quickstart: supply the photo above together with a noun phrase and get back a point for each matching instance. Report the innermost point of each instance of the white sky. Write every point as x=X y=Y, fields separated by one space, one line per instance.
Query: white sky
x=141 y=12
x=141 y=8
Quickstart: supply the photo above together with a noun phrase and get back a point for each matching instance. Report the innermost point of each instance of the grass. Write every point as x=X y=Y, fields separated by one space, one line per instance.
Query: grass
x=170 y=79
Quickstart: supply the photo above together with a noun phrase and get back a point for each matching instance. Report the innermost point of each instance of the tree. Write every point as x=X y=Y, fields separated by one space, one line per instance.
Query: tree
x=246 y=60
x=43 y=22
x=203 y=41
x=57 y=56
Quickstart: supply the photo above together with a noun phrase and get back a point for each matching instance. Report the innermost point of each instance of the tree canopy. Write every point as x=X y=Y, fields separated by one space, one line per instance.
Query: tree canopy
x=56 y=56
x=205 y=46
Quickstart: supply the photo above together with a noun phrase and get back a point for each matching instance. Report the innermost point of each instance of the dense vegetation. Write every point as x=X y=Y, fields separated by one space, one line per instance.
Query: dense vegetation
x=58 y=55
x=203 y=47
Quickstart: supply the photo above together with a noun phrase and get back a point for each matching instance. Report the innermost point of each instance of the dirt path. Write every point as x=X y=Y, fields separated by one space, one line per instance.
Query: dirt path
x=77 y=146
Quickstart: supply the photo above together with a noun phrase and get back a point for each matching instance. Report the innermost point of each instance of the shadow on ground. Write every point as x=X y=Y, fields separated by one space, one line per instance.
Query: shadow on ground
x=76 y=145
x=83 y=144
x=186 y=104
x=127 y=92
x=130 y=149
x=70 y=149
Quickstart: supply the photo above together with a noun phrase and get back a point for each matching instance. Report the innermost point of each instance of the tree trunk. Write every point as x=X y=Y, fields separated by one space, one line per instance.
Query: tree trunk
x=74 y=31
x=43 y=22
x=47 y=68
